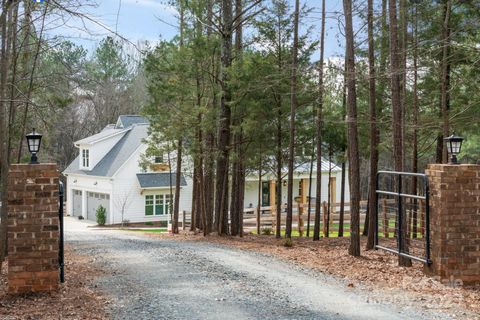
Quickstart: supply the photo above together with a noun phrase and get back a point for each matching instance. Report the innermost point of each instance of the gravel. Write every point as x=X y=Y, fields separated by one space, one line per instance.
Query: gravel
x=166 y=279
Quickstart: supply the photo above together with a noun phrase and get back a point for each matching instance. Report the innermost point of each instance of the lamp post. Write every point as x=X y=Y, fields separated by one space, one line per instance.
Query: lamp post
x=454 y=145
x=33 y=141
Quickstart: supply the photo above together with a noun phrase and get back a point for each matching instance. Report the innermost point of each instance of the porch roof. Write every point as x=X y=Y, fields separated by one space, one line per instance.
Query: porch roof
x=158 y=180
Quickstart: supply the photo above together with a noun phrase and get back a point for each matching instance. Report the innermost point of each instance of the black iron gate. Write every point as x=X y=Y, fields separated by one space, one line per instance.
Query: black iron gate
x=406 y=213
x=61 y=256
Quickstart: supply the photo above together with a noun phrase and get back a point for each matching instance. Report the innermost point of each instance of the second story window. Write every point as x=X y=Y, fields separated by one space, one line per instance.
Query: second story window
x=159 y=159
x=85 y=158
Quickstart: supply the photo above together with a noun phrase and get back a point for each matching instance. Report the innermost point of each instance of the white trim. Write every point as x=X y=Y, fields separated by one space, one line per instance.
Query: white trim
x=79 y=142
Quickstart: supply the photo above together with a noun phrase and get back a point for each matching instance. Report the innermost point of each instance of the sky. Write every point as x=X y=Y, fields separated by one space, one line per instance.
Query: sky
x=152 y=20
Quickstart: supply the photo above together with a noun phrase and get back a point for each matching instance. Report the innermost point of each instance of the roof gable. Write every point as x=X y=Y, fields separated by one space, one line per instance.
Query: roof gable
x=125 y=121
x=117 y=156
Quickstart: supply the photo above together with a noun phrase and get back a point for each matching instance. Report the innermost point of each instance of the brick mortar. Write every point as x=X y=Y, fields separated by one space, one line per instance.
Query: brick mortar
x=455 y=222
x=32 y=203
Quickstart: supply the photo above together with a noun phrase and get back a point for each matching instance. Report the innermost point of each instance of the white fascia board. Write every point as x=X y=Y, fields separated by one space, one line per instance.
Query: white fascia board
x=79 y=143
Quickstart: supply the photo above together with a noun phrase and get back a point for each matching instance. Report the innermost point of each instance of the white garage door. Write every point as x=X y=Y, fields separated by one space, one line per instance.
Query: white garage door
x=77 y=203
x=95 y=200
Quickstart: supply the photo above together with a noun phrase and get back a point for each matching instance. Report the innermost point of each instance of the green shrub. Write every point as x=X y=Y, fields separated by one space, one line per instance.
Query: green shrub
x=288 y=243
x=267 y=231
x=101 y=215
x=149 y=223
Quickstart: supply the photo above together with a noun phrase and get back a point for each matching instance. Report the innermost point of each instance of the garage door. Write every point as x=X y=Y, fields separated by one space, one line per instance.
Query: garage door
x=77 y=203
x=95 y=200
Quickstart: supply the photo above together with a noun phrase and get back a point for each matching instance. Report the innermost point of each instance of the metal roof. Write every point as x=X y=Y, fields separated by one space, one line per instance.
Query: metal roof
x=158 y=180
x=117 y=156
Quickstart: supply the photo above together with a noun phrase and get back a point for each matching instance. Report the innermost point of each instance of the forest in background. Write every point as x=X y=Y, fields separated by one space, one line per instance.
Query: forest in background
x=243 y=89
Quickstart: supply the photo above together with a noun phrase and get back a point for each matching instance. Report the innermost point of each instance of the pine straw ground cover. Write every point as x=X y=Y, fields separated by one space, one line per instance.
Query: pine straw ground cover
x=376 y=272
x=76 y=298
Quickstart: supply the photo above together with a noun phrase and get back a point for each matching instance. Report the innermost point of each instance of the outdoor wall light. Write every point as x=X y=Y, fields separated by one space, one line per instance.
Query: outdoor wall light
x=33 y=141
x=95 y=183
x=454 y=145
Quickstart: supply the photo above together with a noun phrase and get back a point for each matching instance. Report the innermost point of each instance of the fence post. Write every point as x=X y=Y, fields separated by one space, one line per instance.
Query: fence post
x=386 y=223
x=300 y=219
x=324 y=207
x=399 y=214
x=183 y=219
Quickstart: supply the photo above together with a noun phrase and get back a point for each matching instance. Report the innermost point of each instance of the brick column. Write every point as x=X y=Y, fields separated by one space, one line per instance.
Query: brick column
x=32 y=203
x=455 y=222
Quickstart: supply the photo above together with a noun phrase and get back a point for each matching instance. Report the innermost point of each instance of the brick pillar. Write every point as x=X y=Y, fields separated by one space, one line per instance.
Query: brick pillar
x=32 y=203
x=455 y=222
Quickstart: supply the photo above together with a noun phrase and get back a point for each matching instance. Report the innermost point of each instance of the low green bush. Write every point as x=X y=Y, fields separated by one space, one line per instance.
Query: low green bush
x=267 y=231
x=288 y=243
x=101 y=215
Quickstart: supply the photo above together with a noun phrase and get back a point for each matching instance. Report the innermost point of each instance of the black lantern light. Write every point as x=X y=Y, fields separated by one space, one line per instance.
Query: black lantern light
x=33 y=140
x=454 y=145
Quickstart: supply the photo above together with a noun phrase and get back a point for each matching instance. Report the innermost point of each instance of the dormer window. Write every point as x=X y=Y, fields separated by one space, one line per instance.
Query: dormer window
x=158 y=159
x=85 y=158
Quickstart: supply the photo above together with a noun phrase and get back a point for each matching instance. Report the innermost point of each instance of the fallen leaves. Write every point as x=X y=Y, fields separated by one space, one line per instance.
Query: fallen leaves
x=377 y=271
x=76 y=298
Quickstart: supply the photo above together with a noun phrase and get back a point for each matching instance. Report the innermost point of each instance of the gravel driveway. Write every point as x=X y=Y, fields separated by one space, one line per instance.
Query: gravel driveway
x=164 y=279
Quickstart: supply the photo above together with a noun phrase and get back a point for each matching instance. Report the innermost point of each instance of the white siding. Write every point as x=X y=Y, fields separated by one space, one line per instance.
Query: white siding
x=98 y=150
x=251 y=189
x=86 y=184
x=127 y=190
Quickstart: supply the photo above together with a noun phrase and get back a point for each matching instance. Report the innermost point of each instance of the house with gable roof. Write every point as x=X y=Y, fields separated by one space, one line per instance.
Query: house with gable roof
x=107 y=172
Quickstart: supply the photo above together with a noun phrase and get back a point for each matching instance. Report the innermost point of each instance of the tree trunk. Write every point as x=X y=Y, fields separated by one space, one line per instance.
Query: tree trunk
x=310 y=176
x=353 y=154
x=221 y=203
x=318 y=132
x=293 y=108
x=342 y=202
x=415 y=120
x=397 y=113
x=278 y=188
x=329 y=197
x=3 y=132
x=445 y=75
x=372 y=98
x=259 y=197
x=344 y=151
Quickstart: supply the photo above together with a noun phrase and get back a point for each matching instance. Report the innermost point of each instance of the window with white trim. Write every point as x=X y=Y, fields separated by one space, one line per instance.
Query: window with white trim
x=85 y=158
x=157 y=204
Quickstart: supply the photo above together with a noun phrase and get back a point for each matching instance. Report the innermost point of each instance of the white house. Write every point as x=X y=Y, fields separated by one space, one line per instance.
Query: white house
x=301 y=185
x=107 y=172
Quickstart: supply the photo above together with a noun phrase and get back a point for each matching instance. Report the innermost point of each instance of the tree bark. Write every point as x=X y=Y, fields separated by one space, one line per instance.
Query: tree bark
x=415 y=119
x=293 y=107
x=445 y=75
x=221 y=192
x=353 y=153
x=372 y=96
x=318 y=132
x=3 y=125
x=397 y=113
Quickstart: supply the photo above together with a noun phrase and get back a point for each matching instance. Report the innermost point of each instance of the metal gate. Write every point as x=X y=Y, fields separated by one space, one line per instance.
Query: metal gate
x=403 y=217
x=61 y=256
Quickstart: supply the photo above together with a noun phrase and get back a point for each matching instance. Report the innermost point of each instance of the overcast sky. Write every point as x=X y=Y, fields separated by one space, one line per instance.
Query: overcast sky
x=151 y=20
